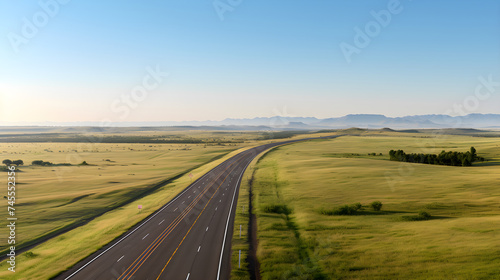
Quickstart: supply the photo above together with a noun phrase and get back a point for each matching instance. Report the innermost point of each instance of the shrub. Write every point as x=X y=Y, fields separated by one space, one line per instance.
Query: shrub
x=344 y=210
x=277 y=209
x=376 y=205
x=7 y=162
x=84 y=163
x=41 y=163
x=422 y=216
x=30 y=255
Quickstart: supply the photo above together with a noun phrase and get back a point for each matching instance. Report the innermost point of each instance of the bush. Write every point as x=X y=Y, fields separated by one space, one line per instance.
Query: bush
x=422 y=216
x=277 y=209
x=41 y=163
x=345 y=210
x=84 y=163
x=30 y=255
x=358 y=206
x=376 y=205
x=7 y=162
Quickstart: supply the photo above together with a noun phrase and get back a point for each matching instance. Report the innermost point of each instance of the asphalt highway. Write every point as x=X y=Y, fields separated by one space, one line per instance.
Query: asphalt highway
x=189 y=238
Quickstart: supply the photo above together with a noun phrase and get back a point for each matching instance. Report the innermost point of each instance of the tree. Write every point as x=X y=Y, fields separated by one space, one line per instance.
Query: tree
x=473 y=153
x=18 y=162
x=443 y=158
x=357 y=206
x=424 y=215
x=7 y=162
x=376 y=205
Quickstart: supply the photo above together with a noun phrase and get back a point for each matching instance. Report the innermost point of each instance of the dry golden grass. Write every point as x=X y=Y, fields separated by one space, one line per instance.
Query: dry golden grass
x=52 y=197
x=60 y=253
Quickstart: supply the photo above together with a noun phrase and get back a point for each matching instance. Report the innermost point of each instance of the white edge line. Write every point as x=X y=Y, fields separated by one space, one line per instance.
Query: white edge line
x=228 y=217
x=123 y=238
x=185 y=190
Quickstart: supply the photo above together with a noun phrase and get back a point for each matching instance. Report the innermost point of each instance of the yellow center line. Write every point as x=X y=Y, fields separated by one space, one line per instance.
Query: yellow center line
x=156 y=243
x=192 y=225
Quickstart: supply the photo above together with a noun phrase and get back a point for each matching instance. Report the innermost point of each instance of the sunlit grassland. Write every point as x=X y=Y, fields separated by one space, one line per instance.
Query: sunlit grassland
x=459 y=242
x=60 y=253
x=49 y=198
x=53 y=198
x=117 y=173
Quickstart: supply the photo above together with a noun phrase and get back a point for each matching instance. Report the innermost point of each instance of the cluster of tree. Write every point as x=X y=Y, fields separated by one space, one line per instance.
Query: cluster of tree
x=422 y=216
x=48 y=163
x=41 y=163
x=444 y=158
x=352 y=209
x=9 y=162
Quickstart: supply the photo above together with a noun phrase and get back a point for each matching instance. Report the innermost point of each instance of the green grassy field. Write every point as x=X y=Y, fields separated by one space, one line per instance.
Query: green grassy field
x=51 y=198
x=54 y=198
x=460 y=241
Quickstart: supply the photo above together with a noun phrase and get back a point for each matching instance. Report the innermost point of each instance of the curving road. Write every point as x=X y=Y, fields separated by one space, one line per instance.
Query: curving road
x=187 y=239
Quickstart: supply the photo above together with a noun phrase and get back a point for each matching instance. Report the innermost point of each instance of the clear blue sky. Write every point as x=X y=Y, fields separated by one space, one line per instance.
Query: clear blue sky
x=264 y=58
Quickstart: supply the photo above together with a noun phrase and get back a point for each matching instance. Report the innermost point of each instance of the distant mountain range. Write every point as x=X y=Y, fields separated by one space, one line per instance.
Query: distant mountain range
x=278 y=122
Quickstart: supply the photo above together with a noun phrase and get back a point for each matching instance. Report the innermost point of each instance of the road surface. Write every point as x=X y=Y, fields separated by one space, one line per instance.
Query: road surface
x=189 y=238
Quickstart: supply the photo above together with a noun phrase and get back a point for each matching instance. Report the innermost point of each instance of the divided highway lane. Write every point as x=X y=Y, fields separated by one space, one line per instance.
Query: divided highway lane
x=187 y=239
